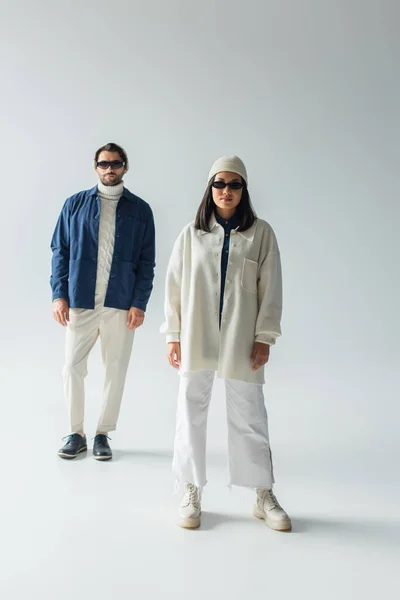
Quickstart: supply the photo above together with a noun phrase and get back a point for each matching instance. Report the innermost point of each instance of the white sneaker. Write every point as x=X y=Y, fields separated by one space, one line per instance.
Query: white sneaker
x=190 y=509
x=269 y=509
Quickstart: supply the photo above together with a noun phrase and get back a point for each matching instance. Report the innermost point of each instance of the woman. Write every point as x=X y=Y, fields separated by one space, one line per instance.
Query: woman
x=223 y=307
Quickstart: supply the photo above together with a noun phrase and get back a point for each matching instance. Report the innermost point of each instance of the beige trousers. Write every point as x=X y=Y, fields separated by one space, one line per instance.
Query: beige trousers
x=84 y=327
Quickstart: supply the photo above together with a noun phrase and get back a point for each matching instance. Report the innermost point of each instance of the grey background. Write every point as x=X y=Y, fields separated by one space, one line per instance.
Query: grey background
x=307 y=93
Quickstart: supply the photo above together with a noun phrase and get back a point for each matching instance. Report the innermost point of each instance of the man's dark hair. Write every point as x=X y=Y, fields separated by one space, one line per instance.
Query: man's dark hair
x=245 y=212
x=111 y=147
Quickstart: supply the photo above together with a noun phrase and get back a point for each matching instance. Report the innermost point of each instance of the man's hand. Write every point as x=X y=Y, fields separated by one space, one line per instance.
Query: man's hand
x=174 y=354
x=260 y=355
x=61 y=311
x=135 y=318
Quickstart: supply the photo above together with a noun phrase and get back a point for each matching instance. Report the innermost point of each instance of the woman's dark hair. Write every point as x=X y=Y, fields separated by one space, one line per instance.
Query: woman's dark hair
x=245 y=212
x=111 y=147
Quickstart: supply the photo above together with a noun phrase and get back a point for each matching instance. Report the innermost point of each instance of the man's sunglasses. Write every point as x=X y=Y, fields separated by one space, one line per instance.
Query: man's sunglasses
x=232 y=185
x=114 y=164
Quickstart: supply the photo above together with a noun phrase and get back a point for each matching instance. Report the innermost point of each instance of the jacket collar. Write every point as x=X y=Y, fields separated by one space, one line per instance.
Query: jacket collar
x=248 y=234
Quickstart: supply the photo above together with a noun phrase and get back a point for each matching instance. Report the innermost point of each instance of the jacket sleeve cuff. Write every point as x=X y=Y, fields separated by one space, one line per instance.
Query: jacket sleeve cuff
x=140 y=305
x=173 y=337
x=265 y=338
x=59 y=296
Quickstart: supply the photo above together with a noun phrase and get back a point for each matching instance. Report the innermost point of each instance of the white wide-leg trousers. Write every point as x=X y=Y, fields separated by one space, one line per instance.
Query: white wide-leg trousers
x=250 y=462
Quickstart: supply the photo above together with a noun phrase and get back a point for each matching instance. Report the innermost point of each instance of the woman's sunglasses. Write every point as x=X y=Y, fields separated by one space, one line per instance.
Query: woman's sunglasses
x=232 y=185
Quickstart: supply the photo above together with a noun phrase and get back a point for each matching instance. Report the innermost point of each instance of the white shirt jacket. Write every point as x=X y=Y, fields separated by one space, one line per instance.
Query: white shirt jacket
x=252 y=299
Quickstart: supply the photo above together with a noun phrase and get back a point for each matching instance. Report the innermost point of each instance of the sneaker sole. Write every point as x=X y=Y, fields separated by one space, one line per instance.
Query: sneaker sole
x=70 y=456
x=284 y=525
x=102 y=457
x=186 y=523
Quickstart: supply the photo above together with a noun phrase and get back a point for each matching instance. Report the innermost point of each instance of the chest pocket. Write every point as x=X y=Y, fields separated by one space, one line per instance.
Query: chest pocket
x=249 y=275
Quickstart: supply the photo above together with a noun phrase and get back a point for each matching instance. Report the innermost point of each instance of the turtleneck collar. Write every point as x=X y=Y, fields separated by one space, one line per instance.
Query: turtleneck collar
x=111 y=192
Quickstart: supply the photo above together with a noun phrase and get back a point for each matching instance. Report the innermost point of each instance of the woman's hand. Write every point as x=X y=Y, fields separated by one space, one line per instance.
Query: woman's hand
x=260 y=355
x=174 y=354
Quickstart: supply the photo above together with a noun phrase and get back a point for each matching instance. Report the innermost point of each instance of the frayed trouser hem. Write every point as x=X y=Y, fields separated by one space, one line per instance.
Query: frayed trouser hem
x=250 y=487
x=178 y=486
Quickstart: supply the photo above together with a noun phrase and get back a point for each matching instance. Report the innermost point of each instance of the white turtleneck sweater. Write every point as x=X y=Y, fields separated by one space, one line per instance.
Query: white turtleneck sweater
x=109 y=196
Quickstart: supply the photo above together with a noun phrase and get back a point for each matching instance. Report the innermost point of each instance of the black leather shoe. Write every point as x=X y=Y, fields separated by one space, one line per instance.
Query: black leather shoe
x=75 y=445
x=101 y=447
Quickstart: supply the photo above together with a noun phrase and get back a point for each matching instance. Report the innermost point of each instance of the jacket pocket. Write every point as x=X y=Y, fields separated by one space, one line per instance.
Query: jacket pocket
x=249 y=275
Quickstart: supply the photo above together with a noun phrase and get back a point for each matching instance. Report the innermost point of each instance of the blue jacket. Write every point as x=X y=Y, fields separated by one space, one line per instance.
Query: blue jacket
x=75 y=246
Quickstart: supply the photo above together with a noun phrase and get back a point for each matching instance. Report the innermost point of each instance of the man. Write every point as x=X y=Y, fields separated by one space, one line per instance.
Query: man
x=102 y=277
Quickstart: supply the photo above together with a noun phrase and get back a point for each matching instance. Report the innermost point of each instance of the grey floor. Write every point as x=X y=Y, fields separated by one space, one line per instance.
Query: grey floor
x=93 y=530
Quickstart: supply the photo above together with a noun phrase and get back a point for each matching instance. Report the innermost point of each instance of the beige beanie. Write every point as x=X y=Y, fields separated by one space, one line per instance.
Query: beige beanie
x=232 y=164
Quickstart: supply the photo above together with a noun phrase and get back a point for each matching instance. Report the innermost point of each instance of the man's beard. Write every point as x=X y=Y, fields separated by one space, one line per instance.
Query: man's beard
x=110 y=181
